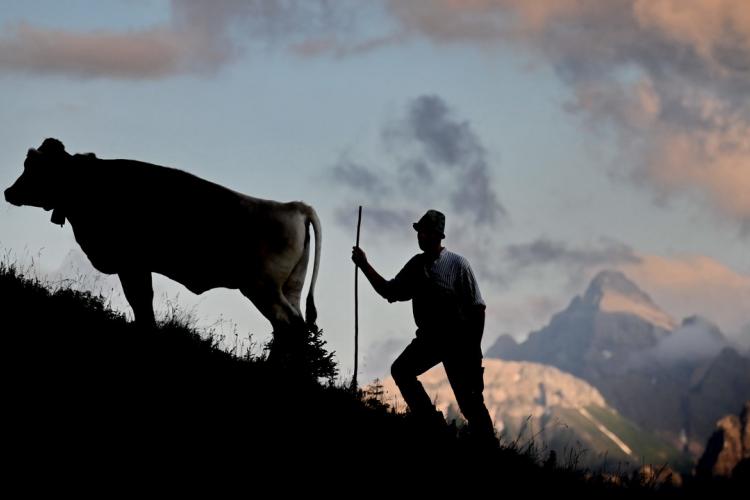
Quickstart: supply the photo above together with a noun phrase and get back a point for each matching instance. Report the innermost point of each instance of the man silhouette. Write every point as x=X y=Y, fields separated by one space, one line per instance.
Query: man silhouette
x=449 y=313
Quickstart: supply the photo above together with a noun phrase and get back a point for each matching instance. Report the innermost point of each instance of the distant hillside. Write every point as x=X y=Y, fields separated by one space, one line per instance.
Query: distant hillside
x=676 y=380
x=539 y=403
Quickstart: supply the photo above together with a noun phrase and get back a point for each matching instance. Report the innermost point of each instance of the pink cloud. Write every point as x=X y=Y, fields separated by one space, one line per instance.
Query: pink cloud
x=199 y=37
x=149 y=53
x=690 y=285
x=668 y=77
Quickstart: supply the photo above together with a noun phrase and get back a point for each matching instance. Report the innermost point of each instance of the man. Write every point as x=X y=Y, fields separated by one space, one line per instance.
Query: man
x=449 y=313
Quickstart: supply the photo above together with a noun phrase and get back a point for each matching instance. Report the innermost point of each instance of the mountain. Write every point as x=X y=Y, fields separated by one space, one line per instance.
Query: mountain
x=505 y=347
x=728 y=446
x=717 y=387
x=675 y=379
x=697 y=338
x=599 y=332
x=743 y=340
x=613 y=292
x=540 y=403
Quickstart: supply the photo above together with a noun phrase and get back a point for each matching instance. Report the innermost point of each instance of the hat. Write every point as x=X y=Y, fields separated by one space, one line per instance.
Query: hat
x=433 y=221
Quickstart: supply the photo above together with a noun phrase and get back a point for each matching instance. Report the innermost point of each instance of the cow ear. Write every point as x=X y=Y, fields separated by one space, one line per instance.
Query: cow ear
x=52 y=147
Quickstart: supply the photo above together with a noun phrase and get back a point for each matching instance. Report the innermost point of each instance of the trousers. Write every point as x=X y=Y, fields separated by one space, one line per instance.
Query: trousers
x=463 y=365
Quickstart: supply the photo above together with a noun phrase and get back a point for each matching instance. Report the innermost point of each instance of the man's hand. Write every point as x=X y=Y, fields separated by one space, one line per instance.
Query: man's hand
x=359 y=257
x=378 y=282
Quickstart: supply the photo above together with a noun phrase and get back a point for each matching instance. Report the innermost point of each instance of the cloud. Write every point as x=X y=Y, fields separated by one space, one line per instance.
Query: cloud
x=384 y=221
x=696 y=339
x=684 y=286
x=544 y=251
x=519 y=315
x=199 y=37
x=151 y=53
x=449 y=144
x=690 y=285
x=379 y=357
x=436 y=160
x=551 y=261
x=341 y=48
x=667 y=78
x=446 y=140
x=415 y=174
x=742 y=340
x=358 y=177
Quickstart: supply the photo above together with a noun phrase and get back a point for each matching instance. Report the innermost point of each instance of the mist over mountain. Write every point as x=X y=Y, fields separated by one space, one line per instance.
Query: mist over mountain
x=377 y=360
x=742 y=340
x=676 y=379
x=695 y=340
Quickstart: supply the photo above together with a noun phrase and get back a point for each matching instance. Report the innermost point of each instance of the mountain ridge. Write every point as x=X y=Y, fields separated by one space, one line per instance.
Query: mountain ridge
x=676 y=381
x=533 y=402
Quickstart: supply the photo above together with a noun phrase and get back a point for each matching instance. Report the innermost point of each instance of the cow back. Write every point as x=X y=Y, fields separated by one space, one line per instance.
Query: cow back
x=127 y=213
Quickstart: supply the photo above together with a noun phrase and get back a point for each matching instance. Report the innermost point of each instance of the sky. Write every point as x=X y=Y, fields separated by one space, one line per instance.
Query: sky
x=559 y=138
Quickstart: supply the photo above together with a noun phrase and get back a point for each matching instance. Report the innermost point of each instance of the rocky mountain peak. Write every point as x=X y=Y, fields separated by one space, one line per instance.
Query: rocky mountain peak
x=728 y=446
x=612 y=291
x=613 y=281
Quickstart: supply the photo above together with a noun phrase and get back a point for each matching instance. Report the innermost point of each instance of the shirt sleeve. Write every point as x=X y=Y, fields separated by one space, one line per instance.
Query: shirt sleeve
x=401 y=288
x=469 y=287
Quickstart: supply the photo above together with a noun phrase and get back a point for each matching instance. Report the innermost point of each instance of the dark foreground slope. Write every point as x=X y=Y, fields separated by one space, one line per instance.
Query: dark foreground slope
x=89 y=396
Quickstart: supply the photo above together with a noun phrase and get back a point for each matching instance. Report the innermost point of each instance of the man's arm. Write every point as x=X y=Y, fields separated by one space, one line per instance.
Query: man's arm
x=475 y=308
x=376 y=280
x=476 y=322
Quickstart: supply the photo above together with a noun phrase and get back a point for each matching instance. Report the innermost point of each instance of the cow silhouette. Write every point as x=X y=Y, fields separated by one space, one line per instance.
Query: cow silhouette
x=133 y=218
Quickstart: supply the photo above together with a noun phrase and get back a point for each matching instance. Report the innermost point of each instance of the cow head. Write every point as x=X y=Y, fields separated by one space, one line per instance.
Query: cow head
x=40 y=182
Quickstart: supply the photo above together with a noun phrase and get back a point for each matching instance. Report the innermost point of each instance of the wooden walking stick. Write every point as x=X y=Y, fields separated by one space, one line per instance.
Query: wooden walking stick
x=356 y=307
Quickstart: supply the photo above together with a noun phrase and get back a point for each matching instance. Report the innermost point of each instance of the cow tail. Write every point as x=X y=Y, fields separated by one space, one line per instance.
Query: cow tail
x=311 y=312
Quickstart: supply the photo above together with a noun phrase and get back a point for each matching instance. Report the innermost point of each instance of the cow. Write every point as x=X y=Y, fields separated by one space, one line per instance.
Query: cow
x=133 y=218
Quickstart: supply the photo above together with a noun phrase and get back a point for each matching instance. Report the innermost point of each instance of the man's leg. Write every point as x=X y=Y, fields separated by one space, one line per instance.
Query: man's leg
x=417 y=358
x=466 y=376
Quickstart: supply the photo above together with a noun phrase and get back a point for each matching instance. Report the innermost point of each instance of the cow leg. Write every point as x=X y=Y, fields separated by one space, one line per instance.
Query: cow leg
x=140 y=295
x=274 y=305
x=288 y=324
x=292 y=288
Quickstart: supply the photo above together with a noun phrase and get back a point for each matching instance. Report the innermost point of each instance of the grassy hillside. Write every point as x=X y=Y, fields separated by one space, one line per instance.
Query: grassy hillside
x=645 y=445
x=89 y=394
x=558 y=412
x=573 y=434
